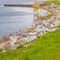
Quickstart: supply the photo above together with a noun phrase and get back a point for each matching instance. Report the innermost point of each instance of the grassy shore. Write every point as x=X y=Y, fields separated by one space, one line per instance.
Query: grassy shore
x=46 y=47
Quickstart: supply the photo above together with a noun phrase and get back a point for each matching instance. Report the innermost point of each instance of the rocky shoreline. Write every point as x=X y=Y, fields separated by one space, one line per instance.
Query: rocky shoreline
x=12 y=42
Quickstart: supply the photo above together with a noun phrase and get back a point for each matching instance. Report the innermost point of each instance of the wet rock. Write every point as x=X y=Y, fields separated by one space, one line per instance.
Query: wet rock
x=32 y=34
x=28 y=38
x=57 y=23
x=13 y=39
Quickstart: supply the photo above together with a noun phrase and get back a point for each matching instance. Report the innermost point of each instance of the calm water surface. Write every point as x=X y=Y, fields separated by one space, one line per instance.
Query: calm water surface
x=14 y=20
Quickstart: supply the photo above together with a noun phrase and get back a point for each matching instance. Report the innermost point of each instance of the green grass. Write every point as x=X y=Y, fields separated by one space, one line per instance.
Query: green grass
x=57 y=2
x=58 y=26
x=46 y=47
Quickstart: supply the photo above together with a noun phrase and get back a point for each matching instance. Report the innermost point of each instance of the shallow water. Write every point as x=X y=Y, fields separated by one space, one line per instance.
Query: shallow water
x=13 y=20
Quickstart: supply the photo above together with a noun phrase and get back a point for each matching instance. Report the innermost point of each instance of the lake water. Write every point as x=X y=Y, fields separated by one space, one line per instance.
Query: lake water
x=15 y=19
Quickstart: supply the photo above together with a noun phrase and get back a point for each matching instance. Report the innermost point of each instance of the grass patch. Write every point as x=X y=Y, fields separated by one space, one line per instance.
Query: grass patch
x=58 y=26
x=46 y=47
x=57 y=2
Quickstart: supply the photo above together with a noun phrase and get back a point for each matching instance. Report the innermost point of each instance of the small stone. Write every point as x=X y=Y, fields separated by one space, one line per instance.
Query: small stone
x=57 y=23
x=49 y=26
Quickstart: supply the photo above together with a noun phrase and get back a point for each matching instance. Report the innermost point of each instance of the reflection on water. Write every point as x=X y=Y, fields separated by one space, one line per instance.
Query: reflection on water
x=13 y=22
